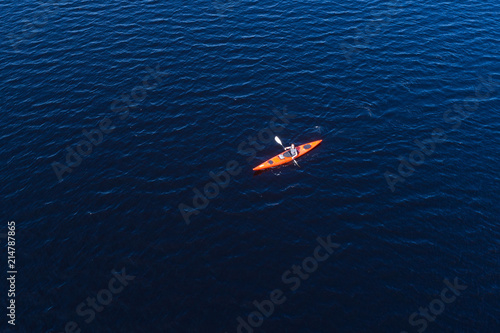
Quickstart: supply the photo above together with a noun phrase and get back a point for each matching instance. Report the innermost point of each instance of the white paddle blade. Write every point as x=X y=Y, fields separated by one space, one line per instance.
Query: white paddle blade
x=278 y=140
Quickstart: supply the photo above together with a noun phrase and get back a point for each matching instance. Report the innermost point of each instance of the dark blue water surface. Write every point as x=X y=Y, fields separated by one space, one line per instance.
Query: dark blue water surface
x=182 y=90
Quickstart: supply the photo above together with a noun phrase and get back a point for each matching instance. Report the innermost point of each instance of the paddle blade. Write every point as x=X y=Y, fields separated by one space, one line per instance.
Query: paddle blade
x=278 y=140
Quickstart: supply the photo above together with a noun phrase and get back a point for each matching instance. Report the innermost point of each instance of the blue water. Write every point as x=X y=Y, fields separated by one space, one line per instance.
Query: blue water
x=367 y=77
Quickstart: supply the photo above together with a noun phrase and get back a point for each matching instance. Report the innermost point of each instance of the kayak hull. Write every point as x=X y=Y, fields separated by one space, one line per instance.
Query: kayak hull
x=285 y=156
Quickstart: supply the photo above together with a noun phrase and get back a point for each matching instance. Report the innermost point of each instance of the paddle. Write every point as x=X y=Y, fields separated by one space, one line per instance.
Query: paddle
x=279 y=141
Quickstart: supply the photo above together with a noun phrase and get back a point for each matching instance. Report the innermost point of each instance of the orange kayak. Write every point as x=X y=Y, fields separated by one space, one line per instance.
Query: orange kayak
x=286 y=157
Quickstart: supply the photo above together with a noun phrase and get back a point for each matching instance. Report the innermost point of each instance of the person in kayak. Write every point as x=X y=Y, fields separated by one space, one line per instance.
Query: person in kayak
x=293 y=151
